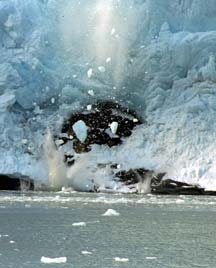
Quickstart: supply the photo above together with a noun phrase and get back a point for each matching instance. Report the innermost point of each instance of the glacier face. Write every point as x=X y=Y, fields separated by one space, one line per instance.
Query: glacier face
x=155 y=56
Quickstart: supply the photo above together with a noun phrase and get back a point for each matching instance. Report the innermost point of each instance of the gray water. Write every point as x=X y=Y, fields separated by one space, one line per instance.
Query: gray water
x=172 y=231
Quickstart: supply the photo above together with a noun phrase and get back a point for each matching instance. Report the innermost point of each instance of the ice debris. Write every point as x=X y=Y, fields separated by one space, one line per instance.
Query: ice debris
x=91 y=92
x=85 y=252
x=102 y=69
x=79 y=224
x=111 y=212
x=117 y=259
x=90 y=73
x=53 y=260
x=89 y=107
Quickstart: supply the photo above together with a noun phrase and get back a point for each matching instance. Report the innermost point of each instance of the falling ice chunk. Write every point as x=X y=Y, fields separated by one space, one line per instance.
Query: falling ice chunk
x=90 y=73
x=53 y=260
x=108 y=60
x=91 y=92
x=117 y=259
x=114 y=127
x=113 y=31
x=80 y=130
x=102 y=69
x=24 y=141
x=89 y=107
x=79 y=224
x=111 y=212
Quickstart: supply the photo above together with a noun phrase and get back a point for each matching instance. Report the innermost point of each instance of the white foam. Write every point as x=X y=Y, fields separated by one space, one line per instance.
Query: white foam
x=79 y=224
x=117 y=259
x=53 y=260
x=111 y=212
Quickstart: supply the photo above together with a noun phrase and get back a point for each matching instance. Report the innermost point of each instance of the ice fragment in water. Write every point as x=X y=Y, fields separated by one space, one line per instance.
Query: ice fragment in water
x=121 y=259
x=80 y=130
x=111 y=212
x=114 y=127
x=90 y=73
x=53 y=260
x=102 y=69
x=53 y=100
x=135 y=120
x=151 y=258
x=79 y=224
x=108 y=60
x=85 y=252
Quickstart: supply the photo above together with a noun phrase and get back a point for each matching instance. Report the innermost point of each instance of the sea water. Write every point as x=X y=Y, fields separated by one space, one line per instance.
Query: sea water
x=146 y=232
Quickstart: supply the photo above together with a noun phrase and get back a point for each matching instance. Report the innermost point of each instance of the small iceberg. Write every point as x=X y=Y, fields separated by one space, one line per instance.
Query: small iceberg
x=79 y=224
x=53 y=260
x=111 y=212
x=117 y=259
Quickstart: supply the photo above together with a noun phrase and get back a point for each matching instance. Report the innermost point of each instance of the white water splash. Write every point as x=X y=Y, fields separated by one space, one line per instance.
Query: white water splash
x=54 y=163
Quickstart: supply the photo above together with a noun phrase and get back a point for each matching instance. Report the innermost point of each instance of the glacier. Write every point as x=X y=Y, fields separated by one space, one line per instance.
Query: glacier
x=157 y=57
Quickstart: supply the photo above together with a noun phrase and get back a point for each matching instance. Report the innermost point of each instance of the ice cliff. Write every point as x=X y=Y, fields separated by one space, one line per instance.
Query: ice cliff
x=155 y=56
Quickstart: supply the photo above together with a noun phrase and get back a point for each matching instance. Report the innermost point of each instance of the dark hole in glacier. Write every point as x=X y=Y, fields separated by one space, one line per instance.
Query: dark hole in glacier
x=98 y=121
x=8 y=183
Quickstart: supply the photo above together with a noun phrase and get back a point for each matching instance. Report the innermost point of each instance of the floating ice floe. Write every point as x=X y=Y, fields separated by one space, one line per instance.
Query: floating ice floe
x=80 y=130
x=114 y=127
x=111 y=212
x=91 y=92
x=85 y=252
x=102 y=69
x=12 y=242
x=90 y=73
x=79 y=224
x=108 y=60
x=135 y=120
x=53 y=260
x=117 y=259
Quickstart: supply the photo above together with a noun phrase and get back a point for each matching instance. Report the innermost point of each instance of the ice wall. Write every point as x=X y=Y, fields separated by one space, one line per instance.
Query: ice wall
x=157 y=57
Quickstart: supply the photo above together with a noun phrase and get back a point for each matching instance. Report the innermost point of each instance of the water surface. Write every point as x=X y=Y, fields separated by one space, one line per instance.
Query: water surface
x=151 y=231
